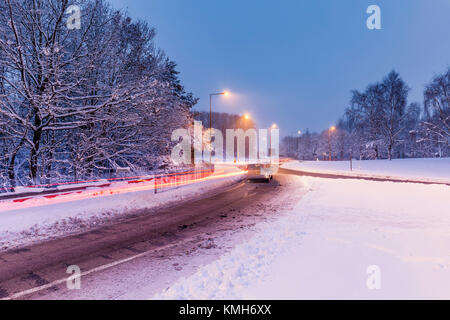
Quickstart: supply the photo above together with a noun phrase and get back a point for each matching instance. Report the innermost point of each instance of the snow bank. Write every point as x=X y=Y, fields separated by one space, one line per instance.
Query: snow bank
x=232 y=274
x=21 y=190
x=422 y=169
x=245 y=265
x=323 y=247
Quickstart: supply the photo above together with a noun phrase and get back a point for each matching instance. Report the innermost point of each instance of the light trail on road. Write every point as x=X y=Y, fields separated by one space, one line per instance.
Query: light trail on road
x=159 y=182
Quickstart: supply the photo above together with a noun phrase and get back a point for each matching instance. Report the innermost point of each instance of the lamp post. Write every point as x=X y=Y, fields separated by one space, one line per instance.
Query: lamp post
x=332 y=129
x=225 y=93
x=273 y=126
x=293 y=141
x=299 y=132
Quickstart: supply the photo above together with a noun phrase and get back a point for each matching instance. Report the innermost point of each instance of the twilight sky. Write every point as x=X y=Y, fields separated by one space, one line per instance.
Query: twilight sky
x=294 y=62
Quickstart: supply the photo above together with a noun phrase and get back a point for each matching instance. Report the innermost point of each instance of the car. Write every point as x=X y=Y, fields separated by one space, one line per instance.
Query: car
x=259 y=171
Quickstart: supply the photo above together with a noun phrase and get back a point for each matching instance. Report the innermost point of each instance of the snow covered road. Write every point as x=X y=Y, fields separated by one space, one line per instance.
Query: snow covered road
x=141 y=254
x=45 y=217
x=298 y=237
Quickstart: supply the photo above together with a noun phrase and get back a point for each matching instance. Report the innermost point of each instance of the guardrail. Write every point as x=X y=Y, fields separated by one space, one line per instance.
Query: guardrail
x=165 y=181
x=169 y=182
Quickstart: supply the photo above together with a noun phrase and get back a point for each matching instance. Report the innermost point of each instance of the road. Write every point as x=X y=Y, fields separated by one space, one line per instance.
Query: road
x=143 y=255
x=39 y=270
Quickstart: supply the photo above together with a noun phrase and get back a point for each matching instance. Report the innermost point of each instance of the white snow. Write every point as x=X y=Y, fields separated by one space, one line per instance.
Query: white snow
x=82 y=185
x=323 y=247
x=41 y=218
x=20 y=190
x=423 y=169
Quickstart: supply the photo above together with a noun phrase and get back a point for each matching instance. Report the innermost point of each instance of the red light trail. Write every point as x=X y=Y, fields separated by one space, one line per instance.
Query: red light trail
x=143 y=184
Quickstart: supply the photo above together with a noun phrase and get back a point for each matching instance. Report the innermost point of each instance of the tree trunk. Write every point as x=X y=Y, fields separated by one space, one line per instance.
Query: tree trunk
x=34 y=150
x=11 y=172
x=12 y=164
x=33 y=155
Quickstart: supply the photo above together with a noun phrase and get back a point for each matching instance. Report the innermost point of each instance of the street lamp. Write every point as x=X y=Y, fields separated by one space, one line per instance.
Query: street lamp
x=299 y=132
x=273 y=126
x=225 y=93
x=292 y=141
x=332 y=129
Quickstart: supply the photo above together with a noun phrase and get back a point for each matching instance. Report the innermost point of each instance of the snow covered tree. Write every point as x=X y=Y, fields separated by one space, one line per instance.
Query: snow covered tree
x=378 y=114
x=394 y=103
x=436 y=122
x=82 y=102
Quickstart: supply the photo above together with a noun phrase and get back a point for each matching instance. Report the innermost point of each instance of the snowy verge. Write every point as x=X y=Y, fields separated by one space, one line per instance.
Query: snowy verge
x=426 y=170
x=323 y=247
x=20 y=227
x=247 y=263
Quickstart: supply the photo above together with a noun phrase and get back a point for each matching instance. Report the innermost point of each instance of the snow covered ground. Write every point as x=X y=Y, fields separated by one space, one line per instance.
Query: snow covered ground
x=325 y=246
x=422 y=169
x=325 y=237
x=41 y=218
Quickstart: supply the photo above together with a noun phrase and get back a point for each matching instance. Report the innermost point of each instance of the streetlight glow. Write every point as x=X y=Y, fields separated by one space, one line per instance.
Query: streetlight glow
x=226 y=93
x=332 y=129
x=247 y=116
x=274 y=126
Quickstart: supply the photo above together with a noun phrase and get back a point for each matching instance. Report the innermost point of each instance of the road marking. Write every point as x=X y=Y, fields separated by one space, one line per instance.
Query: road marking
x=97 y=269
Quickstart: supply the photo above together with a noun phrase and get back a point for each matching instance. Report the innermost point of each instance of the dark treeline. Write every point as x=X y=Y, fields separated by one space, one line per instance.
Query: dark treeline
x=223 y=121
x=380 y=124
x=80 y=103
